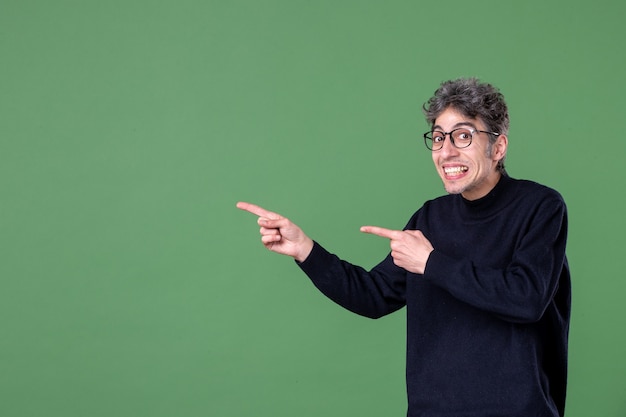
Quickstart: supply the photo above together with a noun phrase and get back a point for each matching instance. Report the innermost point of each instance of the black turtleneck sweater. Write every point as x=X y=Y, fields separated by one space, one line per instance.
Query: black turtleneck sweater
x=488 y=321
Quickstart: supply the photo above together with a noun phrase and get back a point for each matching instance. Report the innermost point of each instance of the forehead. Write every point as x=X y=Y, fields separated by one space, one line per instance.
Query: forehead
x=451 y=118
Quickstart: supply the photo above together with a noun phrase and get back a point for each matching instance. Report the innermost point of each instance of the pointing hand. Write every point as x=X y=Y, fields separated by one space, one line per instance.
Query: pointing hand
x=409 y=248
x=279 y=234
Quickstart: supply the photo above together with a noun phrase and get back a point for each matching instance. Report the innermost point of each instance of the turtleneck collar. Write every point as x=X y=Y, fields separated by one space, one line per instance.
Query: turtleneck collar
x=489 y=204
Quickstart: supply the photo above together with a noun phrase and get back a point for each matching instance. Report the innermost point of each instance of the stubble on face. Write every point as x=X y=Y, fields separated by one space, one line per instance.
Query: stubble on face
x=466 y=188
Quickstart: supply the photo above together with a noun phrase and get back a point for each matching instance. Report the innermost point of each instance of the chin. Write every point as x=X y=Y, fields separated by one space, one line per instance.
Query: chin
x=454 y=189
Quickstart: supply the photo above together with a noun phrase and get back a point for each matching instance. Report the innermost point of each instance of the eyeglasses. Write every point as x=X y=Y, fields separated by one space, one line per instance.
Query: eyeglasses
x=460 y=138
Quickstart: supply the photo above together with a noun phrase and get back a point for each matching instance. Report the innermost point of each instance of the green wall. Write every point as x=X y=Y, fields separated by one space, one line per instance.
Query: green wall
x=130 y=285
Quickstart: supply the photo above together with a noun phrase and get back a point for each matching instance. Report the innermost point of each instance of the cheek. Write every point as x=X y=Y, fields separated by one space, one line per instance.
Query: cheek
x=489 y=151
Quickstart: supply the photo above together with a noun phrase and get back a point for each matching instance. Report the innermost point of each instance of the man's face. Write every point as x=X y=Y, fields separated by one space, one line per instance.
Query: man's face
x=469 y=171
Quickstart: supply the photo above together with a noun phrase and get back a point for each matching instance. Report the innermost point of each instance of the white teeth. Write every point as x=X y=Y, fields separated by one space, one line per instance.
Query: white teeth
x=454 y=170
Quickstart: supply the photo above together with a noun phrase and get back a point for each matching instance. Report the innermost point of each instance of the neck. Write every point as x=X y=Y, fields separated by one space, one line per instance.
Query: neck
x=486 y=186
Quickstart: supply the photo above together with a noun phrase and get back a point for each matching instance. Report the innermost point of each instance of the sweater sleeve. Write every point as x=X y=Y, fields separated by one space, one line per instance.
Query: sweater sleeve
x=522 y=290
x=371 y=294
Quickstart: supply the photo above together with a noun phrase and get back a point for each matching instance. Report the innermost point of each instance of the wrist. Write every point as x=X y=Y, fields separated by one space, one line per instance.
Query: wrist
x=305 y=250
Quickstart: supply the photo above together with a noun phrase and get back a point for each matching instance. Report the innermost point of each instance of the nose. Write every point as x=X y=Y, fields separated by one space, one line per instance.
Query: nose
x=448 y=149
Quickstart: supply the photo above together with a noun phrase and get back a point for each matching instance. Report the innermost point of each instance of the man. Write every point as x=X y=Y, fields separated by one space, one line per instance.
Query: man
x=481 y=270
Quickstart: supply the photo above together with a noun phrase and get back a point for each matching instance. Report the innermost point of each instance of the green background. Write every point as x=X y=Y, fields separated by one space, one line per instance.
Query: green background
x=130 y=285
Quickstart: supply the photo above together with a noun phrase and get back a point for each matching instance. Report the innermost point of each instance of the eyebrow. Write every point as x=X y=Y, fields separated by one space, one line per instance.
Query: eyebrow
x=456 y=126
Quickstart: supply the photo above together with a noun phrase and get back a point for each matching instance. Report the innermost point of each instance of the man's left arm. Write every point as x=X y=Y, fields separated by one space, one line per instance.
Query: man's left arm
x=522 y=290
x=519 y=292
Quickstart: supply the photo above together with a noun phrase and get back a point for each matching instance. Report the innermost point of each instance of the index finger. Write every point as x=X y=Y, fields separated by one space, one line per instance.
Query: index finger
x=257 y=210
x=379 y=231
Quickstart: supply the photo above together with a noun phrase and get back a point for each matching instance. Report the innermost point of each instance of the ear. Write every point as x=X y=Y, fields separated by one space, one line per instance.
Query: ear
x=499 y=148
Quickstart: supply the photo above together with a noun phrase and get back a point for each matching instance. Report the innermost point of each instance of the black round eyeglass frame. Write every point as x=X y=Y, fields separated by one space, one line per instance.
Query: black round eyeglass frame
x=428 y=137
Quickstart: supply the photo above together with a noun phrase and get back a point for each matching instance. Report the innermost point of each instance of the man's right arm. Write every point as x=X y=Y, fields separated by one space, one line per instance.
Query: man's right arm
x=372 y=294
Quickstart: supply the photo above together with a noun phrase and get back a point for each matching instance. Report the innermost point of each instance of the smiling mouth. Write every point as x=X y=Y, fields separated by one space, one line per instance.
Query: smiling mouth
x=457 y=170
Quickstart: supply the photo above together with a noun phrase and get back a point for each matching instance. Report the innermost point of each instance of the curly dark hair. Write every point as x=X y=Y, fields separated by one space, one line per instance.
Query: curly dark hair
x=474 y=99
